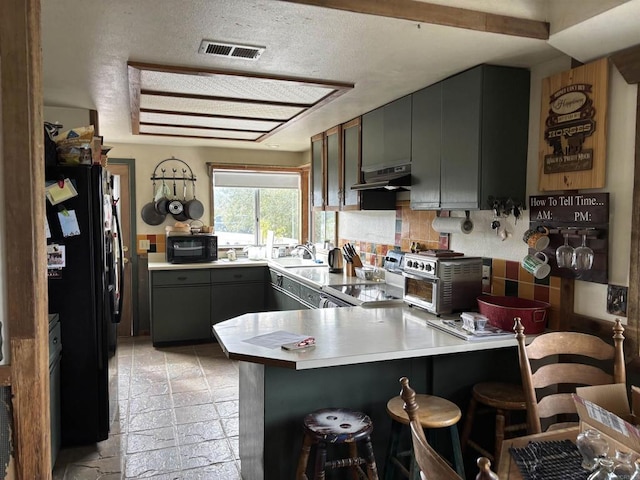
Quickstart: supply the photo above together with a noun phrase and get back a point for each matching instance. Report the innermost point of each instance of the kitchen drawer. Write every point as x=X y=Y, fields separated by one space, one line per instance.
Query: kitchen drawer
x=291 y=286
x=244 y=274
x=181 y=277
x=309 y=295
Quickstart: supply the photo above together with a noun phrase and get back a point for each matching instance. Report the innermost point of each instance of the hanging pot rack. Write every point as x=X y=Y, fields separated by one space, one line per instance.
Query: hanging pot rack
x=155 y=176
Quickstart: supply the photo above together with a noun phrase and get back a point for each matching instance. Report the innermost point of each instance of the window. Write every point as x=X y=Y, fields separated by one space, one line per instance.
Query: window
x=247 y=205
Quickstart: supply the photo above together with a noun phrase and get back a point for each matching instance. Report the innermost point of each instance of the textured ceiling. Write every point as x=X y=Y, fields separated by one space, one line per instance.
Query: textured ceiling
x=87 y=44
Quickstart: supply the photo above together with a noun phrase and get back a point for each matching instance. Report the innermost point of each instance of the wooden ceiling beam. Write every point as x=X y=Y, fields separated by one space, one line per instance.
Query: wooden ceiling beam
x=627 y=62
x=423 y=12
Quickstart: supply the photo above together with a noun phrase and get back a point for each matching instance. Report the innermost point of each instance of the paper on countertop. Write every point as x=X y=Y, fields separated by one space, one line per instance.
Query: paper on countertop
x=277 y=339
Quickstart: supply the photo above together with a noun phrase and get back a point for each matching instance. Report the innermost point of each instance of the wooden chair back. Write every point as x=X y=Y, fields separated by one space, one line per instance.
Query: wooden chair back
x=563 y=361
x=432 y=466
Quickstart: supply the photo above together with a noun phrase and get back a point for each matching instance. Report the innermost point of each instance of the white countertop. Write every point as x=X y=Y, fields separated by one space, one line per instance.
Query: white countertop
x=344 y=336
x=241 y=262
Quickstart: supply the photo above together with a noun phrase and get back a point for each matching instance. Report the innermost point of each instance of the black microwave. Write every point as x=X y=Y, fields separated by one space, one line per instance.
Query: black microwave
x=192 y=248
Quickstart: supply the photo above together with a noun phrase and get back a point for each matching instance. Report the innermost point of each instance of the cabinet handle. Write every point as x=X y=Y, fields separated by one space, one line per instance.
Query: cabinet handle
x=237 y=275
x=182 y=278
x=55 y=340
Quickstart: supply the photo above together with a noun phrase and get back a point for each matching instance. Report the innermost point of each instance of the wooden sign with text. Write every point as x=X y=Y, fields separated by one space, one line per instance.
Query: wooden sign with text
x=579 y=210
x=573 y=128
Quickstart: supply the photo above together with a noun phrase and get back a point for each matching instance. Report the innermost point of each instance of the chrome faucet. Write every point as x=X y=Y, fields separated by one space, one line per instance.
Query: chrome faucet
x=308 y=251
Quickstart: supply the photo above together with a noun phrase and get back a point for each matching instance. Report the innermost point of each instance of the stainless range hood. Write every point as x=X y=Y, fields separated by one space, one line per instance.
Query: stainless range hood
x=389 y=178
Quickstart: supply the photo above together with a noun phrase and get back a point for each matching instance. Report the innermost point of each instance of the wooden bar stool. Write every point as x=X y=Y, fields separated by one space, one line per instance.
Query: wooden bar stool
x=337 y=426
x=433 y=412
x=501 y=398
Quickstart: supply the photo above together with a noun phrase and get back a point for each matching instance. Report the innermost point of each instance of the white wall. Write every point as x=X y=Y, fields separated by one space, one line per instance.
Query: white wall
x=148 y=156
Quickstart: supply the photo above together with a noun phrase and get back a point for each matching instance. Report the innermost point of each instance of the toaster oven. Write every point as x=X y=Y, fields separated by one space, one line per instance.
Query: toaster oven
x=442 y=284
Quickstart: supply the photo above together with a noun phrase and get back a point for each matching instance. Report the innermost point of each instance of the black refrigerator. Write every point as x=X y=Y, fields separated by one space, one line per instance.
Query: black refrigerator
x=84 y=277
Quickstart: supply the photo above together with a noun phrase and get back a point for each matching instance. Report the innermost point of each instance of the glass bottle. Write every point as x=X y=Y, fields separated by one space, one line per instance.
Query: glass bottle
x=604 y=471
x=636 y=474
x=591 y=446
x=624 y=467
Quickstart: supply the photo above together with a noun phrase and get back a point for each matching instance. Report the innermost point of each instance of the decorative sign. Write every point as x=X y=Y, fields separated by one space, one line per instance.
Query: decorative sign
x=569 y=123
x=579 y=210
x=573 y=128
x=581 y=217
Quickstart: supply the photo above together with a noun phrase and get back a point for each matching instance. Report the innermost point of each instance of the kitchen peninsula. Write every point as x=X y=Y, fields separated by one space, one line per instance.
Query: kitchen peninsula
x=360 y=354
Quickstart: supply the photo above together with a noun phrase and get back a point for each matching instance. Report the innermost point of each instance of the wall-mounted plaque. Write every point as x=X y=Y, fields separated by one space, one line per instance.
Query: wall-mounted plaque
x=572 y=128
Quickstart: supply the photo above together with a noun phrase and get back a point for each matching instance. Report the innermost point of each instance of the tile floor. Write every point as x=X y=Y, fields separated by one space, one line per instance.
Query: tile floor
x=178 y=418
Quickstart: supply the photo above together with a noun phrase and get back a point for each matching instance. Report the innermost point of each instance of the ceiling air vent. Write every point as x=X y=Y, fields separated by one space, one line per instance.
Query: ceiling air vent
x=248 y=52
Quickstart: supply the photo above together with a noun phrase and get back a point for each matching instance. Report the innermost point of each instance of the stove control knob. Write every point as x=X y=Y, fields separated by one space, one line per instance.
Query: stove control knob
x=428 y=267
x=421 y=265
x=409 y=263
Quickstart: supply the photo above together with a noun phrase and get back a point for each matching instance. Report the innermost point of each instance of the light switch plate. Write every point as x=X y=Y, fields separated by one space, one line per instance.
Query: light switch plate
x=144 y=245
x=486 y=275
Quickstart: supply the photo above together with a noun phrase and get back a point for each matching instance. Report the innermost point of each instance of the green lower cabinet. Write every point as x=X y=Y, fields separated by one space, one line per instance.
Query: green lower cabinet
x=234 y=299
x=236 y=291
x=180 y=313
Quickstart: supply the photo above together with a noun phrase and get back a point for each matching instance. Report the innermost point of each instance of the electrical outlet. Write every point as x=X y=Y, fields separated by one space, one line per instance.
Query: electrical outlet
x=617 y=300
x=486 y=275
x=144 y=244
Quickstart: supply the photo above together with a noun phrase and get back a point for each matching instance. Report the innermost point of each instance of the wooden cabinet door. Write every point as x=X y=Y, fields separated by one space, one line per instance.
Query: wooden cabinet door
x=351 y=163
x=333 y=171
x=317 y=172
x=397 y=132
x=460 y=161
x=426 y=132
x=373 y=139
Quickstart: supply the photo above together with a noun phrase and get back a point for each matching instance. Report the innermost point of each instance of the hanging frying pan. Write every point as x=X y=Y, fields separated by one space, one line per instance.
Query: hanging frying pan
x=162 y=200
x=175 y=206
x=182 y=216
x=194 y=207
x=149 y=214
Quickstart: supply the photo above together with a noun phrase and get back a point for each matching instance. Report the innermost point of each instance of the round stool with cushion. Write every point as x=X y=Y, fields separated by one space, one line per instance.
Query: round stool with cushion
x=333 y=426
x=433 y=412
x=502 y=398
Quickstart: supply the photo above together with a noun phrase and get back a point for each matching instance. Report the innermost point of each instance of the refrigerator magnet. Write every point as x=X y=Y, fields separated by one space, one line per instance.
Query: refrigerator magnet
x=58 y=192
x=69 y=223
x=56 y=257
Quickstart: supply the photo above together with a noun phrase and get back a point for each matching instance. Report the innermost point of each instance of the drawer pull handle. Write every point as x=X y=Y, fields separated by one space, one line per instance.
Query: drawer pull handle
x=237 y=275
x=182 y=278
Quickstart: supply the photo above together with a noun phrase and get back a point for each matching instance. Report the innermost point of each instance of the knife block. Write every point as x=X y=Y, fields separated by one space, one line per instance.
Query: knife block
x=350 y=269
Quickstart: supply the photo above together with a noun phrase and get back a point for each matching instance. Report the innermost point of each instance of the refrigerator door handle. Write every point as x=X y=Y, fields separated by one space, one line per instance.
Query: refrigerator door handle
x=119 y=288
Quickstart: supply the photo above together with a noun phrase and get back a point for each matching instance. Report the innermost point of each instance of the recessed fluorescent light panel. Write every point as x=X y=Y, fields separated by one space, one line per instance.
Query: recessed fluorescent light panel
x=222 y=105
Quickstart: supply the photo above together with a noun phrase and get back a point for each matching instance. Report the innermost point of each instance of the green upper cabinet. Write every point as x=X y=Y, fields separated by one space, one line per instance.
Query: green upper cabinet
x=351 y=147
x=426 y=128
x=334 y=175
x=317 y=171
x=481 y=139
x=335 y=157
x=386 y=135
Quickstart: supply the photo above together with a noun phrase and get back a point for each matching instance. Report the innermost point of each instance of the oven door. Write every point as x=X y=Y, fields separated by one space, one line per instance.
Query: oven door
x=421 y=291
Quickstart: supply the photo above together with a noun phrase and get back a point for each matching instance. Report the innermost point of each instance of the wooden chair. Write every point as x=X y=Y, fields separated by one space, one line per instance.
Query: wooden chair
x=432 y=465
x=548 y=386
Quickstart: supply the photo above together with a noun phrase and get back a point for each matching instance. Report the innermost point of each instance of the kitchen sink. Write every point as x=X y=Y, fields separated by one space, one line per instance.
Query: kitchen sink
x=291 y=262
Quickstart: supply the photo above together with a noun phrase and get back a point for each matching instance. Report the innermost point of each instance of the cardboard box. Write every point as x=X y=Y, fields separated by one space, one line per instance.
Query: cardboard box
x=606 y=408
